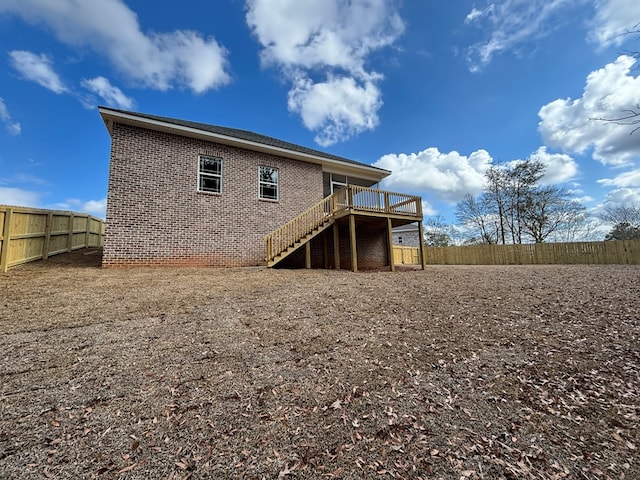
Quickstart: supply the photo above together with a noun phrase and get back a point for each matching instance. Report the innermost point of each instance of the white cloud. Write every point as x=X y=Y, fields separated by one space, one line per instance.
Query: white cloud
x=628 y=179
x=332 y=33
x=19 y=197
x=95 y=207
x=475 y=14
x=510 y=24
x=113 y=96
x=449 y=176
x=338 y=108
x=12 y=127
x=307 y=39
x=614 y=18
x=569 y=124
x=623 y=196
x=560 y=167
x=37 y=68
x=428 y=209
x=157 y=60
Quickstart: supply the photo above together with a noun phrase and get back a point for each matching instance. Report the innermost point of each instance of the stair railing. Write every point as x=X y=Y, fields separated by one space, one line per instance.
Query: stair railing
x=305 y=223
x=353 y=197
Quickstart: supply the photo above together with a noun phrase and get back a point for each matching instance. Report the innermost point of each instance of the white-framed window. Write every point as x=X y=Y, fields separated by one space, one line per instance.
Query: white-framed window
x=210 y=174
x=268 y=181
x=338 y=182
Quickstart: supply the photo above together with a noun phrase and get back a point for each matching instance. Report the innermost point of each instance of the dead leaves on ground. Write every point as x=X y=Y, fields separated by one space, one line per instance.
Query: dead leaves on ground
x=413 y=375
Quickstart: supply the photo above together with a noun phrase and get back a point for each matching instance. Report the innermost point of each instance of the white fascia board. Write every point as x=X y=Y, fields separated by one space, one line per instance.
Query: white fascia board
x=328 y=164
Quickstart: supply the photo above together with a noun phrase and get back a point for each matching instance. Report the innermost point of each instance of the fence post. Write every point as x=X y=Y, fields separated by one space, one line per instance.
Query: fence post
x=70 y=239
x=87 y=233
x=47 y=236
x=6 y=237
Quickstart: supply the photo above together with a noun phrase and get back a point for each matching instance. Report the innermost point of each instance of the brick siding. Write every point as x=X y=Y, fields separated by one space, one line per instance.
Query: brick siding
x=156 y=216
x=407 y=238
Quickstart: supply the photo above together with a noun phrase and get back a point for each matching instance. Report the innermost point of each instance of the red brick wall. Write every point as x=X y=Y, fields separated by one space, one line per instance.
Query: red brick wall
x=156 y=216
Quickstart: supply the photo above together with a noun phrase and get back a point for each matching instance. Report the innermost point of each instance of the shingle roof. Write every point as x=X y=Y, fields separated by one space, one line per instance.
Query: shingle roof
x=247 y=136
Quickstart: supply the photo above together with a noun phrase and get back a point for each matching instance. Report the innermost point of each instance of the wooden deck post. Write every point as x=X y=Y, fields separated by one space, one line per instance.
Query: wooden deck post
x=423 y=260
x=392 y=265
x=325 y=250
x=352 y=242
x=307 y=255
x=336 y=246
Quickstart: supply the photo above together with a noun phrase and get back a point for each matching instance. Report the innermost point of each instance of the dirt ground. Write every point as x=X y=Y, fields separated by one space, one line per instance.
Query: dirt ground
x=509 y=372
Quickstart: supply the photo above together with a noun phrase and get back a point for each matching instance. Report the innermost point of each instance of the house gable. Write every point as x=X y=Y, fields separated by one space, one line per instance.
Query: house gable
x=159 y=211
x=246 y=140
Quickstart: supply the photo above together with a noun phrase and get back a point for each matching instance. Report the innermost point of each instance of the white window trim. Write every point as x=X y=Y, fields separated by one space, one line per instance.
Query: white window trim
x=211 y=175
x=277 y=184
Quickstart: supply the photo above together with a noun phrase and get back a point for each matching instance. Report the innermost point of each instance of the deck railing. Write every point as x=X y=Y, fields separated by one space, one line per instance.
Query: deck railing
x=381 y=201
x=354 y=198
x=292 y=231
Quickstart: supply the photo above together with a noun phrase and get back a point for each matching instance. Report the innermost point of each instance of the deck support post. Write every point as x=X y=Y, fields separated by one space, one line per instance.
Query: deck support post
x=307 y=255
x=325 y=250
x=423 y=260
x=392 y=265
x=336 y=246
x=352 y=242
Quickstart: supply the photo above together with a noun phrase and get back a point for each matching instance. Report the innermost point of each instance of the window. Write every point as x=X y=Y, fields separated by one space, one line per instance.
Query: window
x=338 y=182
x=268 y=178
x=210 y=174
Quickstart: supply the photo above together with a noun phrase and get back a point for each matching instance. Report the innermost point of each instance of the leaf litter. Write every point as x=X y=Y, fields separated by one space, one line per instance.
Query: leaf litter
x=456 y=372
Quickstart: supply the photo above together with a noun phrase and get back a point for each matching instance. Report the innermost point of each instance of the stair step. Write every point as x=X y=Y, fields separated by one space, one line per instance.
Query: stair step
x=298 y=243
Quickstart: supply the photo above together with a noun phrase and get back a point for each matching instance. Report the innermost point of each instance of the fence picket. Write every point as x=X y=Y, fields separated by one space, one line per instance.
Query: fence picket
x=30 y=234
x=609 y=252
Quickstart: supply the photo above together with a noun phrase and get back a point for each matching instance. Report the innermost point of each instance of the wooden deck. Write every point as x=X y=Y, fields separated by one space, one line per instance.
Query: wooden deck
x=344 y=206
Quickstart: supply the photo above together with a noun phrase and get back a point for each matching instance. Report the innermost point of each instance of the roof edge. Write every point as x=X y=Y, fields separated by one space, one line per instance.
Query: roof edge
x=166 y=124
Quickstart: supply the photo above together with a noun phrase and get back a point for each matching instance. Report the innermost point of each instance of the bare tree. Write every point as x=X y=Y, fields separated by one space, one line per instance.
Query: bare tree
x=514 y=208
x=625 y=220
x=437 y=233
x=523 y=178
x=495 y=197
x=631 y=115
x=547 y=210
x=622 y=214
x=475 y=214
x=579 y=227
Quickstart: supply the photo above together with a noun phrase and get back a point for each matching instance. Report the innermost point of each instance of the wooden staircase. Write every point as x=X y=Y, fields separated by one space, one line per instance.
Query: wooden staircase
x=286 y=239
x=300 y=242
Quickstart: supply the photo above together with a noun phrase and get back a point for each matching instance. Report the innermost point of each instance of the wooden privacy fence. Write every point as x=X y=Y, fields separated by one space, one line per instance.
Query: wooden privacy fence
x=406 y=255
x=609 y=252
x=28 y=234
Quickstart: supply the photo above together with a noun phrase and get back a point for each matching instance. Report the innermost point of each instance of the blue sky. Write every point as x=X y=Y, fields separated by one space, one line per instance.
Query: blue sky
x=434 y=91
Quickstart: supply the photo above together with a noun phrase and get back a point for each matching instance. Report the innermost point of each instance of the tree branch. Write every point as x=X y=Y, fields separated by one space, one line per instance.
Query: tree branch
x=632 y=118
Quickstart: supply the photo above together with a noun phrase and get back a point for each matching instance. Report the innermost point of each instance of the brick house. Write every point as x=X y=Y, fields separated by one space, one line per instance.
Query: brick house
x=406 y=235
x=185 y=193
